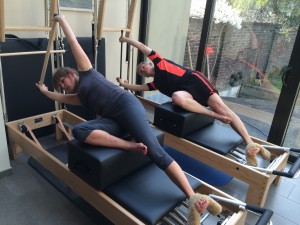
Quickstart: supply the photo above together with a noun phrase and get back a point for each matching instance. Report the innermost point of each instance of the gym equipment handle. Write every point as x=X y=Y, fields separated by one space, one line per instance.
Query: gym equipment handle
x=291 y=173
x=295 y=150
x=266 y=214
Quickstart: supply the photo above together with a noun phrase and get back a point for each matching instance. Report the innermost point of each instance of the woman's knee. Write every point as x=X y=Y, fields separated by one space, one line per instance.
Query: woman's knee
x=80 y=132
x=160 y=157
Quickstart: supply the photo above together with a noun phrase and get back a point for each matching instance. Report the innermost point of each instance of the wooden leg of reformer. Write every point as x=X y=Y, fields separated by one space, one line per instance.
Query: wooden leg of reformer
x=58 y=133
x=277 y=180
x=257 y=195
x=12 y=150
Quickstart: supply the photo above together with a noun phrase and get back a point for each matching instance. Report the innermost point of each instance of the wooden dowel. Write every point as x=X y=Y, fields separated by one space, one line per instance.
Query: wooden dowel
x=2 y=22
x=100 y=19
x=30 y=53
x=51 y=39
x=116 y=29
x=27 y=28
x=130 y=17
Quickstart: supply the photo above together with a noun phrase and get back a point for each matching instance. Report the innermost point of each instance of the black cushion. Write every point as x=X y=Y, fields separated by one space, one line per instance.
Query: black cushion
x=148 y=193
x=216 y=137
x=178 y=121
x=102 y=166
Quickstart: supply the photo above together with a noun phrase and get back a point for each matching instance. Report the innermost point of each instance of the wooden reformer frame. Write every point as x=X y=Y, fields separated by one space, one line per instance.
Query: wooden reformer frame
x=259 y=182
x=99 y=200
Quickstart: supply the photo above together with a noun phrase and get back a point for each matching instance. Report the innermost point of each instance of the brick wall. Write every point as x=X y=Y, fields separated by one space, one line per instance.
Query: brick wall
x=247 y=51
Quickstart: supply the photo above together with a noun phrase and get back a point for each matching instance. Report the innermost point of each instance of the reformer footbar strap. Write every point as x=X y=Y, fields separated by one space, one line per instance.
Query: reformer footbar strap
x=27 y=131
x=62 y=127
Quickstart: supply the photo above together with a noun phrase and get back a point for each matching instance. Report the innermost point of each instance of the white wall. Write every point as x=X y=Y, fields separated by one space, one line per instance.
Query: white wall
x=168 y=27
x=4 y=159
x=32 y=13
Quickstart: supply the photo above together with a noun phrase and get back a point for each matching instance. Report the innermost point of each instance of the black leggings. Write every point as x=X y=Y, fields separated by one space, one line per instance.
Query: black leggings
x=127 y=116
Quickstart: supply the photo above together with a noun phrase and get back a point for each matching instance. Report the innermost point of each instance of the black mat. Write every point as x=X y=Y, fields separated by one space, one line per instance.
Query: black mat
x=216 y=137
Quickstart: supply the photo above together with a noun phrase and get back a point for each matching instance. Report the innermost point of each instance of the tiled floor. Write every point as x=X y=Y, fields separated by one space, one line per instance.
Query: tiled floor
x=26 y=198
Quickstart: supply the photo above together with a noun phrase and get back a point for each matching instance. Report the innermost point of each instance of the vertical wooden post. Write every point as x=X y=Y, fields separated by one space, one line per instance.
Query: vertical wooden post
x=2 y=22
x=130 y=17
x=53 y=9
x=100 y=19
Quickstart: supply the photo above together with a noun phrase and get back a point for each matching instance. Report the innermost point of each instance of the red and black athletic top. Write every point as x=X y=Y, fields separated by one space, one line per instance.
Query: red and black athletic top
x=168 y=74
x=171 y=77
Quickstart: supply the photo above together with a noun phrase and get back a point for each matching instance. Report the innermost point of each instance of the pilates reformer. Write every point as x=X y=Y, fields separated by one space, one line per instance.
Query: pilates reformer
x=21 y=136
x=139 y=193
x=220 y=147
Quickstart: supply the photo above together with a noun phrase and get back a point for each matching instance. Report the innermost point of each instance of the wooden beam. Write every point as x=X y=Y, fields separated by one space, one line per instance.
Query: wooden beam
x=52 y=35
x=50 y=41
x=101 y=28
x=100 y=19
x=27 y=28
x=108 y=29
x=29 y=53
x=130 y=17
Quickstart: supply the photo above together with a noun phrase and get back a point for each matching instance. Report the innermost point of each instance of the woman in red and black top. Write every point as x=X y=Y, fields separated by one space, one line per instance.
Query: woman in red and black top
x=190 y=90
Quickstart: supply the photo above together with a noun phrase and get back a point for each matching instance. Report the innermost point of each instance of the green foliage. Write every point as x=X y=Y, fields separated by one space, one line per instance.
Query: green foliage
x=283 y=12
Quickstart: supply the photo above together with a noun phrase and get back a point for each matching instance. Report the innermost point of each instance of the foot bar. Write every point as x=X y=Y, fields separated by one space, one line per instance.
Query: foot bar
x=292 y=173
x=266 y=214
x=286 y=149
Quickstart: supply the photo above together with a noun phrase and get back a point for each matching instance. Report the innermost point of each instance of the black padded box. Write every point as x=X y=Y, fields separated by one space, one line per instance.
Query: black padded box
x=178 y=121
x=103 y=166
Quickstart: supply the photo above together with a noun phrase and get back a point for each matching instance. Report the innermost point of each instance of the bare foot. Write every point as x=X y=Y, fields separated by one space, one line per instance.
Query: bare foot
x=253 y=151
x=201 y=205
x=137 y=147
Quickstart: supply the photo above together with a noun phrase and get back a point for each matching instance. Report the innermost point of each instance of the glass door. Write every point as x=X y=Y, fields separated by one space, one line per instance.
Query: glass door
x=285 y=127
x=292 y=138
x=248 y=50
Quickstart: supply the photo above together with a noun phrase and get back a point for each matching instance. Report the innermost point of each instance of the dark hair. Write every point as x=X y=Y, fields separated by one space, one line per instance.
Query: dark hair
x=59 y=73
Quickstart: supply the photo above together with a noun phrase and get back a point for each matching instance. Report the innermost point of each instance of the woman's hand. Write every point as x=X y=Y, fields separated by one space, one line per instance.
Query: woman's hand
x=42 y=87
x=120 y=81
x=58 y=18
